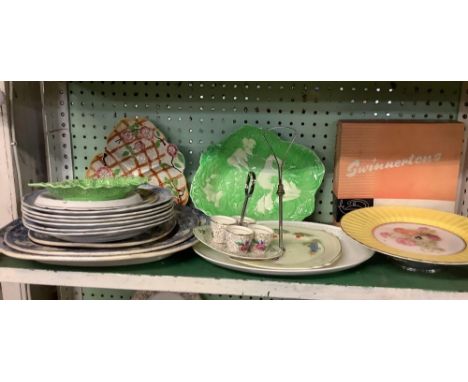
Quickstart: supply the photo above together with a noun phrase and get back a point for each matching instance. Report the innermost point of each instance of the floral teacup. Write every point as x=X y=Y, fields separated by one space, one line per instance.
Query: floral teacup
x=239 y=239
x=263 y=236
x=219 y=225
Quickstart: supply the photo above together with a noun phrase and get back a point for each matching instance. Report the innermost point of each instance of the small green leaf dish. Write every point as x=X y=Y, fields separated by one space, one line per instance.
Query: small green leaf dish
x=93 y=189
x=218 y=185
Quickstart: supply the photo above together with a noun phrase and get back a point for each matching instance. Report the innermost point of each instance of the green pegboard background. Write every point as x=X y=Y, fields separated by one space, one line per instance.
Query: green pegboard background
x=194 y=115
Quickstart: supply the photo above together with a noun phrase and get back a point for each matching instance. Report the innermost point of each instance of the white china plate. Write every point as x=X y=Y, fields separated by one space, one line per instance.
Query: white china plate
x=35 y=226
x=155 y=234
x=203 y=233
x=352 y=254
x=99 y=237
x=178 y=236
x=186 y=217
x=19 y=237
x=152 y=197
x=64 y=218
x=103 y=261
x=45 y=200
x=86 y=226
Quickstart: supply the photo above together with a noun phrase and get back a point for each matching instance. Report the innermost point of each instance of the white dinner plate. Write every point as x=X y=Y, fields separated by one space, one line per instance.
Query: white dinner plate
x=64 y=218
x=85 y=225
x=186 y=221
x=182 y=238
x=102 y=261
x=147 y=237
x=17 y=238
x=86 y=230
x=45 y=200
x=152 y=197
x=98 y=237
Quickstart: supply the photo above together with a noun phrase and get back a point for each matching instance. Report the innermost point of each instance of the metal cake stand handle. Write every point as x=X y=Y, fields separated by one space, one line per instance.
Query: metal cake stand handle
x=249 y=189
x=280 y=165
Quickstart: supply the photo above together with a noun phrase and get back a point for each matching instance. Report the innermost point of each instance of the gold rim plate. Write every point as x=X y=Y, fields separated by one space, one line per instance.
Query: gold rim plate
x=410 y=233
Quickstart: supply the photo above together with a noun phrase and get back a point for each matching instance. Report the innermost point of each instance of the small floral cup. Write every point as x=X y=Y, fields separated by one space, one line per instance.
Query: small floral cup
x=239 y=239
x=247 y=221
x=263 y=236
x=219 y=225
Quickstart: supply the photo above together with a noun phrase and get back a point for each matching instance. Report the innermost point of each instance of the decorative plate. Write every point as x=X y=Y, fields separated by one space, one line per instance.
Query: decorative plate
x=203 y=233
x=93 y=189
x=410 y=233
x=352 y=254
x=305 y=249
x=218 y=185
x=135 y=147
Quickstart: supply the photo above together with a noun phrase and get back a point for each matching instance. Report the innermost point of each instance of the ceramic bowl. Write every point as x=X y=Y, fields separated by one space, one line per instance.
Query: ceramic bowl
x=219 y=225
x=262 y=238
x=238 y=239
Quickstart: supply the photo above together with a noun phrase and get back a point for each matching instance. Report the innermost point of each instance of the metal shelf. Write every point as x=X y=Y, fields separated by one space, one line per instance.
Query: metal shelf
x=379 y=278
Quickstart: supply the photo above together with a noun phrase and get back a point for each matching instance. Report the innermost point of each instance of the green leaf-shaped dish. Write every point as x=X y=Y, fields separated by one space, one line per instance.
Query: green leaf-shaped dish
x=218 y=185
x=93 y=189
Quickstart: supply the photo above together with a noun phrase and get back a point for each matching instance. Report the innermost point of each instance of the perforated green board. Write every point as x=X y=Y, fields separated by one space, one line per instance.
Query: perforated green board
x=196 y=114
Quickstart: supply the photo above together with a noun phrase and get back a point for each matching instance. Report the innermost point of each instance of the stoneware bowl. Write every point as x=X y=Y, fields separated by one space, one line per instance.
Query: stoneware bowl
x=238 y=239
x=219 y=225
x=263 y=236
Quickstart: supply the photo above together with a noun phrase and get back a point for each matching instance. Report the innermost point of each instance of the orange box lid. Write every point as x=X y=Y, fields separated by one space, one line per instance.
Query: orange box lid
x=398 y=160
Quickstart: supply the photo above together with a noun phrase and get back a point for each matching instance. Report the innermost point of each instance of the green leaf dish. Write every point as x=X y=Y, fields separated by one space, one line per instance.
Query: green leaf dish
x=218 y=184
x=93 y=189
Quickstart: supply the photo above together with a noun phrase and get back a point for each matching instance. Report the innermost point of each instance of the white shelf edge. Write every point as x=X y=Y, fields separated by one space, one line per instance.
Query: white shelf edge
x=257 y=288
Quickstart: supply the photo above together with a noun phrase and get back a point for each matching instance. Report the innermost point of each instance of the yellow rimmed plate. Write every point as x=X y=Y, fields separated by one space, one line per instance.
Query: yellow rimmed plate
x=410 y=233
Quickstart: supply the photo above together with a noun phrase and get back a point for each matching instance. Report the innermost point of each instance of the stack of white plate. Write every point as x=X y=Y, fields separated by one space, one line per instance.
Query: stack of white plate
x=154 y=245
x=98 y=222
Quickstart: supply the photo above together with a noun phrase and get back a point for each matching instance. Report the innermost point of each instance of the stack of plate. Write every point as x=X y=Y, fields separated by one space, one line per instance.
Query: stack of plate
x=97 y=221
x=141 y=228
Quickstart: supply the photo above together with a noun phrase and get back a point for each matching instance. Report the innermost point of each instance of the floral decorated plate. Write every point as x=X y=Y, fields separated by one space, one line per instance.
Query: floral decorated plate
x=304 y=249
x=218 y=185
x=409 y=233
x=203 y=233
x=135 y=147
